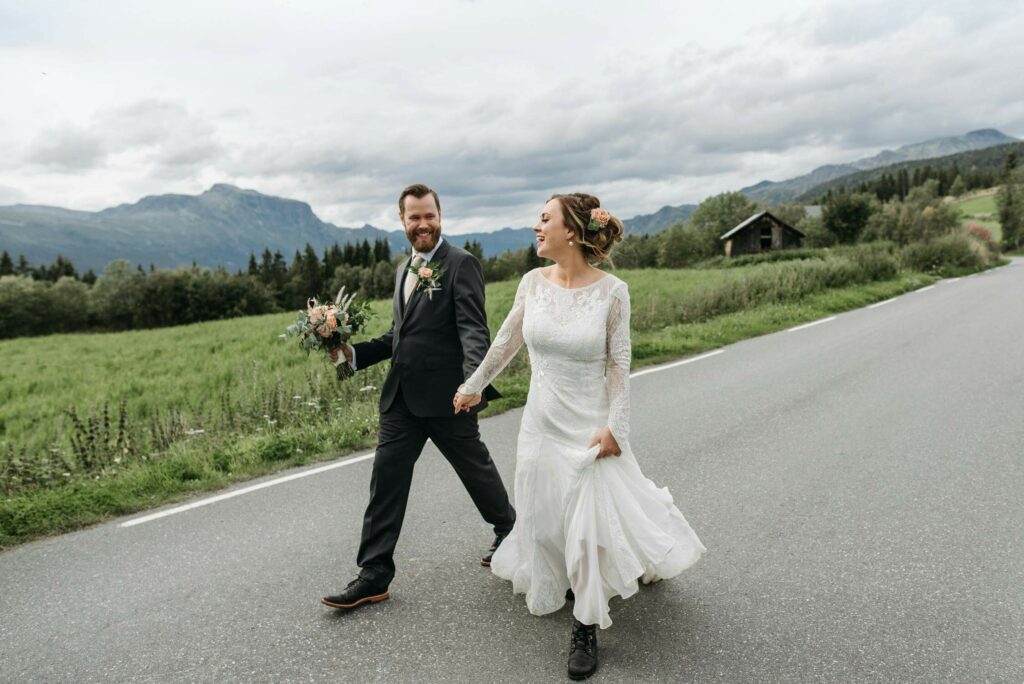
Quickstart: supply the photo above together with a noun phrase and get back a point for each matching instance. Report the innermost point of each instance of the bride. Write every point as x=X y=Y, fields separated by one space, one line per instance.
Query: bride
x=590 y=525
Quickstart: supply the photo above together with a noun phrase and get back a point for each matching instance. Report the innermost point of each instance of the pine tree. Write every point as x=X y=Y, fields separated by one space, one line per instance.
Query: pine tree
x=958 y=187
x=266 y=266
x=532 y=260
x=6 y=264
x=61 y=267
x=1010 y=202
x=348 y=255
x=474 y=248
x=381 y=250
x=902 y=184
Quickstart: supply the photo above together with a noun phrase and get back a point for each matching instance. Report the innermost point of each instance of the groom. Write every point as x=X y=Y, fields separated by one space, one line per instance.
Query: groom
x=438 y=337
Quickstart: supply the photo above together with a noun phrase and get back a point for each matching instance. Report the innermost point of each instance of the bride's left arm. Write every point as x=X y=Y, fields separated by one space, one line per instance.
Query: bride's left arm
x=507 y=343
x=618 y=357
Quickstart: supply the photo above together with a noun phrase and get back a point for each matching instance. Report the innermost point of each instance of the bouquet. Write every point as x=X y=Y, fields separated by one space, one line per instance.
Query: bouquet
x=329 y=326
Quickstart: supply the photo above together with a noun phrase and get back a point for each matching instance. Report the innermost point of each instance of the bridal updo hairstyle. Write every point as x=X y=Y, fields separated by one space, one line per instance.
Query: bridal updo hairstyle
x=597 y=244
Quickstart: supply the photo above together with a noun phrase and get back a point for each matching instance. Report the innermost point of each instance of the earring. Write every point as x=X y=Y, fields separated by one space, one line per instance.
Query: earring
x=571 y=243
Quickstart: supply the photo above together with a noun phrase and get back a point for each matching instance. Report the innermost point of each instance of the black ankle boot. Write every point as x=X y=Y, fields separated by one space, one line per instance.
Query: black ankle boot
x=582 y=650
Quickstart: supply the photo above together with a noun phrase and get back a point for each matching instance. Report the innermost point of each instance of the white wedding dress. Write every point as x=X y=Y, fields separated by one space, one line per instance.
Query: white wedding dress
x=596 y=526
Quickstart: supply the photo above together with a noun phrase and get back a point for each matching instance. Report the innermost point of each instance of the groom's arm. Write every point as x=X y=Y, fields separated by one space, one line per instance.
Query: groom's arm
x=470 y=315
x=365 y=354
x=373 y=351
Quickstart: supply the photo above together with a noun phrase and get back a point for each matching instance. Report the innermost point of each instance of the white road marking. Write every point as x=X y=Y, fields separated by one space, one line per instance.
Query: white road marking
x=882 y=303
x=244 y=490
x=951 y=280
x=925 y=289
x=808 y=325
x=667 y=366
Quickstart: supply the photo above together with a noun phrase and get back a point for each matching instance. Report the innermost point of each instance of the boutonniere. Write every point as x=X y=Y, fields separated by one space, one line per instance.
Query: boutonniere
x=428 y=277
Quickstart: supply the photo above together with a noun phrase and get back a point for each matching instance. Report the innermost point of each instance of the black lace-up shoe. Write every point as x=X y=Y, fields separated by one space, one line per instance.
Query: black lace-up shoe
x=582 y=650
x=486 y=560
x=357 y=592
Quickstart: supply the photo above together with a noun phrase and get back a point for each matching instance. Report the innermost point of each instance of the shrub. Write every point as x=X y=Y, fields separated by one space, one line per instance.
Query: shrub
x=946 y=254
x=761 y=258
x=983 y=235
x=779 y=276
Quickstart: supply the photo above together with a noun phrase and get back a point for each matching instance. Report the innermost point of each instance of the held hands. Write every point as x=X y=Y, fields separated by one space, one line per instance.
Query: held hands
x=464 y=402
x=609 y=447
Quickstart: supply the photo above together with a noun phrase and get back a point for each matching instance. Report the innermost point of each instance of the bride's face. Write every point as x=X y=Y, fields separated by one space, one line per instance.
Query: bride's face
x=552 y=234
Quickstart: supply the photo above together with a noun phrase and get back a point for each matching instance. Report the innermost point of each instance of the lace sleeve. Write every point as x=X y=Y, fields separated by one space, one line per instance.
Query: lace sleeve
x=506 y=343
x=619 y=355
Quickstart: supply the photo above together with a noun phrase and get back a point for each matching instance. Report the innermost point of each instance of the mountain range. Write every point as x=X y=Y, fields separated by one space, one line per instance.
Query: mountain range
x=990 y=159
x=225 y=224
x=220 y=226
x=784 y=191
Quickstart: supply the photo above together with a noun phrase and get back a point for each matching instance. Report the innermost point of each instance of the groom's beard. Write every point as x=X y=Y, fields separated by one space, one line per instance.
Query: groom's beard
x=424 y=239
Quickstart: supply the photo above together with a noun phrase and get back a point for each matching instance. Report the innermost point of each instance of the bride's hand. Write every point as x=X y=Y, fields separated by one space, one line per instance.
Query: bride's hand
x=464 y=402
x=609 y=447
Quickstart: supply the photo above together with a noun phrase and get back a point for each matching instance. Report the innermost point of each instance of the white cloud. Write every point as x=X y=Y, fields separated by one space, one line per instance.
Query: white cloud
x=494 y=104
x=149 y=134
x=9 y=195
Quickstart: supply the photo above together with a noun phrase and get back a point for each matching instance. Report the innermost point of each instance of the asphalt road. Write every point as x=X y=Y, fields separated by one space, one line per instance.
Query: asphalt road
x=859 y=484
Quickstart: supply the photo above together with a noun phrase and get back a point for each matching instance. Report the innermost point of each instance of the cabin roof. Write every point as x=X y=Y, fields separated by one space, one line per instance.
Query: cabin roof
x=755 y=218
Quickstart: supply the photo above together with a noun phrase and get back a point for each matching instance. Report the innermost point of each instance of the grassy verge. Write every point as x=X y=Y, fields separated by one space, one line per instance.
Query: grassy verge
x=676 y=341
x=223 y=426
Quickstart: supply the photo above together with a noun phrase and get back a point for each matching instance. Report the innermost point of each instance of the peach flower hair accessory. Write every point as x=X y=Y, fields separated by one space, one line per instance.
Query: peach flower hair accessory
x=598 y=220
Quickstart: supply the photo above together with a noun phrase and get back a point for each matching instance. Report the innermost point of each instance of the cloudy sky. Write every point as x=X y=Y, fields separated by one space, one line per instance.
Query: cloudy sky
x=496 y=104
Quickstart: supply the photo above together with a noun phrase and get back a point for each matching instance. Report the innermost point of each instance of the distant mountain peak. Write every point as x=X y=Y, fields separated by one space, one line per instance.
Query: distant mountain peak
x=990 y=133
x=784 y=191
x=228 y=189
x=225 y=187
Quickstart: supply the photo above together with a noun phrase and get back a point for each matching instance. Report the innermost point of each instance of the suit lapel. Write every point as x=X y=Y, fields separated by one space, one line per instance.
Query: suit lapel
x=417 y=294
x=399 y=302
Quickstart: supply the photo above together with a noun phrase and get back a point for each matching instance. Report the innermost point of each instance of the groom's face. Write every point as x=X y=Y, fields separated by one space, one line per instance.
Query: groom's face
x=422 y=221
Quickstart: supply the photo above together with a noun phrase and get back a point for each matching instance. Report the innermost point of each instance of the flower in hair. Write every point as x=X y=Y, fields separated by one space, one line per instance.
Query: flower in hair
x=598 y=219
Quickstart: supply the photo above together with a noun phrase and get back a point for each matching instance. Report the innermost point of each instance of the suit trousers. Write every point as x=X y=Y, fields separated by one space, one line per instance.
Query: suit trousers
x=399 y=443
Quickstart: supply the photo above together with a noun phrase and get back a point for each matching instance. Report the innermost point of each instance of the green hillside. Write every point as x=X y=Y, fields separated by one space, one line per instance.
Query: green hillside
x=986 y=161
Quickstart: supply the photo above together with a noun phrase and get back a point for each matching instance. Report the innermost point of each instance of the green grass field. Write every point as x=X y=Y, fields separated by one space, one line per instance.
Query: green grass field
x=98 y=425
x=198 y=373
x=981 y=209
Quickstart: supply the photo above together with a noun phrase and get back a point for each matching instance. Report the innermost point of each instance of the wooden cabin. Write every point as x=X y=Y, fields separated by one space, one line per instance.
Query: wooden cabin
x=761 y=232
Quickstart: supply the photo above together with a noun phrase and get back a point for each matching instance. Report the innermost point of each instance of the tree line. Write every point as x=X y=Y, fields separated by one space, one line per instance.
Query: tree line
x=45 y=299
x=951 y=181
x=975 y=169
x=54 y=298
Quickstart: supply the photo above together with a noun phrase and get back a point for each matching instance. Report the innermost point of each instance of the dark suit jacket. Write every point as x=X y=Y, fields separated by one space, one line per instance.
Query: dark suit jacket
x=434 y=343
